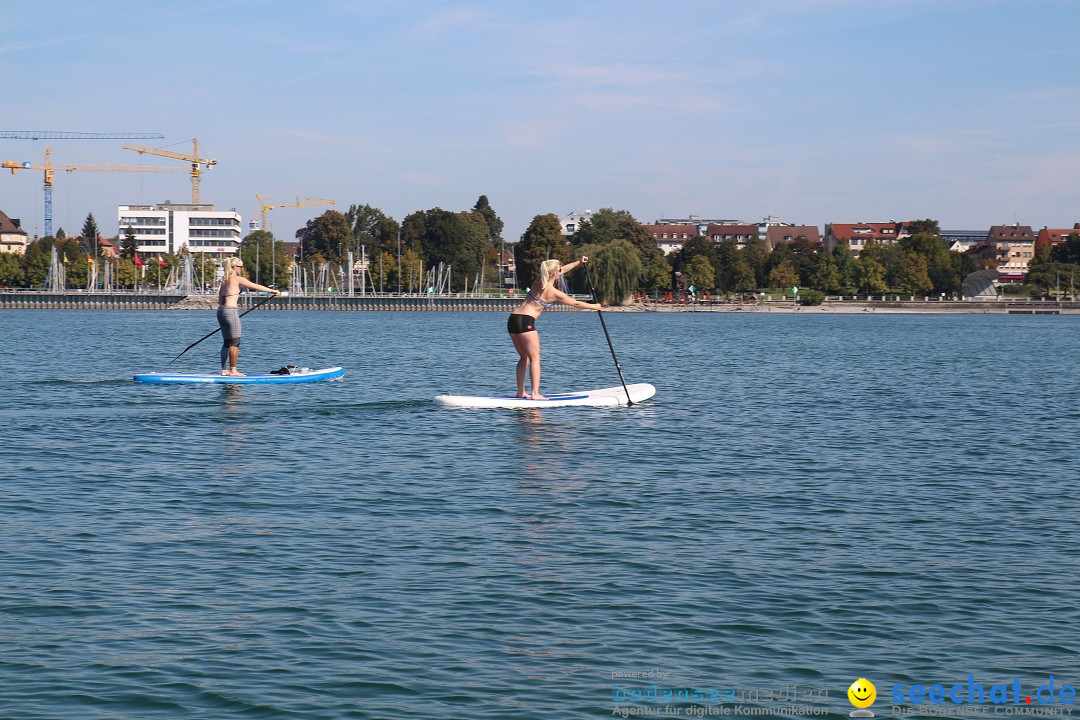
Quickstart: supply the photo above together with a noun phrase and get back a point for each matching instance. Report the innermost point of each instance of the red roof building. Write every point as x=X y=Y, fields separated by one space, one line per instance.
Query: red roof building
x=740 y=233
x=787 y=234
x=671 y=238
x=1014 y=246
x=13 y=238
x=1052 y=236
x=858 y=234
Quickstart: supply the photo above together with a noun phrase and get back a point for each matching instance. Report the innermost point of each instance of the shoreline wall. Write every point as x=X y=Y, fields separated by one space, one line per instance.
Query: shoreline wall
x=131 y=301
x=462 y=302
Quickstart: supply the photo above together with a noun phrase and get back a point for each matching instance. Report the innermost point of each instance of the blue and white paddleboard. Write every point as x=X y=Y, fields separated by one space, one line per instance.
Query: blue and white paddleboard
x=303 y=375
x=594 y=398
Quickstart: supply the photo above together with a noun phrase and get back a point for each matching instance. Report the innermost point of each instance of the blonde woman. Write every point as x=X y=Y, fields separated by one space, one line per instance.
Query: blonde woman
x=228 y=314
x=522 y=323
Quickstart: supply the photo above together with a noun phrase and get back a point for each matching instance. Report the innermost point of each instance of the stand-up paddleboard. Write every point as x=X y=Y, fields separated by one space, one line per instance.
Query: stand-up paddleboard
x=595 y=398
x=301 y=375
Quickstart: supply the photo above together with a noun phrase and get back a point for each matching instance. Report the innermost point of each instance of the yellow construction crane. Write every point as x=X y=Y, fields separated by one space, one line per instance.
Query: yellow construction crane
x=305 y=202
x=49 y=169
x=192 y=158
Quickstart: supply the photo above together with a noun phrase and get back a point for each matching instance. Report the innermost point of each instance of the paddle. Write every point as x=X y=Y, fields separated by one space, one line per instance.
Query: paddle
x=253 y=307
x=611 y=347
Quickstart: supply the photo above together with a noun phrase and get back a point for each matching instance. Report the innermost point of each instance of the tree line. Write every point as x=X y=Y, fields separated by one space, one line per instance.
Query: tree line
x=624 y=256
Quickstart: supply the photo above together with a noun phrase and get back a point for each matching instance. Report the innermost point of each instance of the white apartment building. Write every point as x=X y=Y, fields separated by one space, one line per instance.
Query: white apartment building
x=167 y=227
x=572 y=222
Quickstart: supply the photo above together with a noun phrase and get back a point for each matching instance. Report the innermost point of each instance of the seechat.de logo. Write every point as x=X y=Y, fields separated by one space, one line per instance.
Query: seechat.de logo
x=862 y=694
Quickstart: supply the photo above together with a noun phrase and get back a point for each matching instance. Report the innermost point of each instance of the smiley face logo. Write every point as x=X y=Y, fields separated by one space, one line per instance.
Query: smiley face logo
x=862 y=693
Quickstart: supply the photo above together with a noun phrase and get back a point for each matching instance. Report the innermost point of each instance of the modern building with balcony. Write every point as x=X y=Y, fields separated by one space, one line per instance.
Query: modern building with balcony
x=167 y=228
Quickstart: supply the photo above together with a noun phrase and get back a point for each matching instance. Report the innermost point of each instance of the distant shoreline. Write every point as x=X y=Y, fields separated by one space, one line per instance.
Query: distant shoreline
x=464 y=302
x=850 y=307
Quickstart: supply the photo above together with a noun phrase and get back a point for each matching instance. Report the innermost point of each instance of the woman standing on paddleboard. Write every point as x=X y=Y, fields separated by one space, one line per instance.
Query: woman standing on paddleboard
x=522 y=323
x=228 y=314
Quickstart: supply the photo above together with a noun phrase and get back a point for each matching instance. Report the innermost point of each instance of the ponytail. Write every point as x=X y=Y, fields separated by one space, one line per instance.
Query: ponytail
x=548 y=270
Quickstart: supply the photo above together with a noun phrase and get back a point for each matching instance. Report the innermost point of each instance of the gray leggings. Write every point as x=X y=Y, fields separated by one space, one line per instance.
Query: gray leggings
x=229 y=320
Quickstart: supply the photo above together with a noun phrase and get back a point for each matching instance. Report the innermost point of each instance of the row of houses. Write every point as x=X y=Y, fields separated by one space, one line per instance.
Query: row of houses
x=1009 y=248
x=166 y=228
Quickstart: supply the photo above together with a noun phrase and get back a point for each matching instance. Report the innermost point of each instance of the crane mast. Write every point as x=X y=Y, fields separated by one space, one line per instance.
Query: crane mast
x=192 y=158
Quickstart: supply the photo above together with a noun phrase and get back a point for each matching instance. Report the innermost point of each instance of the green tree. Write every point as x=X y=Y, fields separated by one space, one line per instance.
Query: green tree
x=726 y=260
x=11 y=270
x=826 y=277
x=784 y=275
x=872 y=250
x=1051 y=278
x=615 y=268
x=383 y=269
x=35 y=262
x=129 y=245
x=90 y=235
x=928 y=227
x=412 y=270
x=701 y=274
x=373 y=229
x=124 y=273
x=608 y=225
x=657 y=274
x=913 y=276
x=1068 y=251
x=76 y=270
x=455 y=239
x=745 y=278
x=491 y=220
x=325 y=238
x=695 y=247
x=870 y=275
x=844 y=262
x=756 y=254
x=804 y=258
x=542 y=240
x=265 y=258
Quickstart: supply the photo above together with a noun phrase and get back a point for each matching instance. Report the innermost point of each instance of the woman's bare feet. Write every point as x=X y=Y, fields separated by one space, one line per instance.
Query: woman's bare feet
x=537 y=396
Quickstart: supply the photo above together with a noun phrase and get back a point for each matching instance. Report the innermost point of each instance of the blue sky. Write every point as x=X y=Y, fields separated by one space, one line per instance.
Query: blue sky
x=815 y=111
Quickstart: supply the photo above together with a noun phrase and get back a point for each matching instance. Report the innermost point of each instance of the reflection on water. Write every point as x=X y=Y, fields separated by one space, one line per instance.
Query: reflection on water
x=233 y=417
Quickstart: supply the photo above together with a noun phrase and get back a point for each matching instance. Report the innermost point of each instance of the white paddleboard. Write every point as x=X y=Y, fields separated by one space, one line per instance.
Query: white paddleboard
x=595 y=398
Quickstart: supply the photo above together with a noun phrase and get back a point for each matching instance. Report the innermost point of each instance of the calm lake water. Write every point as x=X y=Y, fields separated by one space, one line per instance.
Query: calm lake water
x=807 y=500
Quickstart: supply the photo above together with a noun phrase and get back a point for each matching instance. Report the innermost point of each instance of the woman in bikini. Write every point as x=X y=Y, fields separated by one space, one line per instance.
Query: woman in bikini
x=522 y=323
x=228 y=314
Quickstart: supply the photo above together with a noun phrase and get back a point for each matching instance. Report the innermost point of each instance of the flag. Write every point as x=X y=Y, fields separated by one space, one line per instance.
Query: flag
x=138 y=260
x=161 y=261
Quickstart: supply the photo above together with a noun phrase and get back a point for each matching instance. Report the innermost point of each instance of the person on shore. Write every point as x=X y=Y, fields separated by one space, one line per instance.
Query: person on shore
x=522 y=323
x=228 y=313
